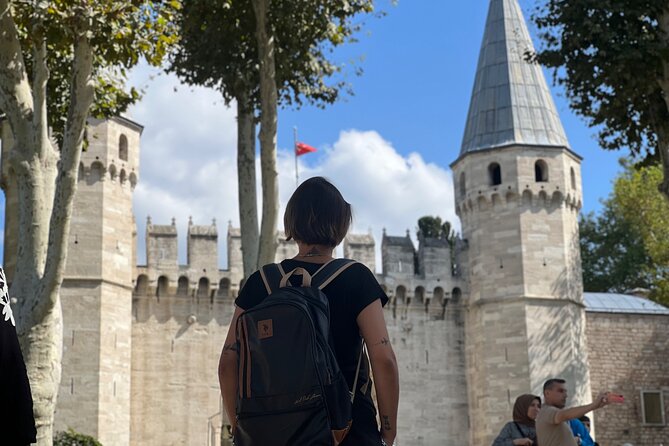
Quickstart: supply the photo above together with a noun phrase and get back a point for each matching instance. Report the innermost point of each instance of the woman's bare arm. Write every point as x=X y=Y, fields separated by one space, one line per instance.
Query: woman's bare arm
x=227 y=370
x=384 y=366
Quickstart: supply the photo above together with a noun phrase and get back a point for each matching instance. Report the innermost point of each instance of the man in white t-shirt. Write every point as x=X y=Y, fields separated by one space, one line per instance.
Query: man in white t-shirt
x=551 y=424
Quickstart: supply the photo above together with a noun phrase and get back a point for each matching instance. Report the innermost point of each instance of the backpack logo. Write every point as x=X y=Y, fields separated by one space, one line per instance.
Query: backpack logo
x=265 y=329
x=306 y=398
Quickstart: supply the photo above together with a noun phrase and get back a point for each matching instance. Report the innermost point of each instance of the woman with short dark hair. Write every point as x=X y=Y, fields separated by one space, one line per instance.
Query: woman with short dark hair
x=317 y=217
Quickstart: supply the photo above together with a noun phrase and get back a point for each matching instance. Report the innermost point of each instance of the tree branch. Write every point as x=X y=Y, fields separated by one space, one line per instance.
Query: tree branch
x=40 y=79
x=663 y=143
x=15 y=98
x=82 y=91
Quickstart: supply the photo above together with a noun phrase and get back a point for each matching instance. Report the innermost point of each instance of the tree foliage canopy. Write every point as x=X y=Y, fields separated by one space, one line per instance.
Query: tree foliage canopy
x=73 y=438
x=627 y=246
x=612 y=58
x=613 y=255
x=121 y=32
x=433 y=227
x=219 y=49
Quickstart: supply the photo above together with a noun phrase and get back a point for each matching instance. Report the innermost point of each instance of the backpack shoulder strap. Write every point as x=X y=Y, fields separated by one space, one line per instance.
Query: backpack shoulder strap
x=328 y=272
x=271 y=276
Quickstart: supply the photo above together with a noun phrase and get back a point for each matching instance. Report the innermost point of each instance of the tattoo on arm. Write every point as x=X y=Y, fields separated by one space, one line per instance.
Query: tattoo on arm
x=386 y=423
x=384 y=341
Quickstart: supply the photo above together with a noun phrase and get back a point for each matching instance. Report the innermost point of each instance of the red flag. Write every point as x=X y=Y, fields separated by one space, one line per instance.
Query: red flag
x=302 y=148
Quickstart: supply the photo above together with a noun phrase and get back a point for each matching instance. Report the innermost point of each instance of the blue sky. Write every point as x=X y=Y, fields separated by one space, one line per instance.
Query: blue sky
x=388 y=147
x=419 y=68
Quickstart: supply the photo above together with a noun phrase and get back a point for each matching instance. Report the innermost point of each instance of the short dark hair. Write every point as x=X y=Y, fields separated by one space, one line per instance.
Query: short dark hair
x=317 y=214
x=584 y=419
x=549 y=384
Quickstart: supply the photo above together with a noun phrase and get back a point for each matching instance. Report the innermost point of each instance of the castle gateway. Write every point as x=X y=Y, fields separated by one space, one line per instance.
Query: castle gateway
x=474 y=325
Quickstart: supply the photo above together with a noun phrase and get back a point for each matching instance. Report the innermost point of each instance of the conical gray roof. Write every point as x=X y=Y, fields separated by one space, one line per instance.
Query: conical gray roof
x=511 y=103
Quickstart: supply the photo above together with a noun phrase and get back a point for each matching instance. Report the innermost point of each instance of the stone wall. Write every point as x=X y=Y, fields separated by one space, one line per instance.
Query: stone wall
x=433 y=395
x=177 y=341
x=628 y=353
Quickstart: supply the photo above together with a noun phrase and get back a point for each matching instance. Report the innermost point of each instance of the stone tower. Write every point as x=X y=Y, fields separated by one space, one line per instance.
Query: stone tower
x=94 y=395
x=518 y=192
x=361 y=248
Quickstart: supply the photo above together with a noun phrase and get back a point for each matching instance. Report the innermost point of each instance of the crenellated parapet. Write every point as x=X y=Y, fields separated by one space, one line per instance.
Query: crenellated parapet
x=420 y=279
x=112 y=152
x=423 y=279
x=185 y=284
x=97 y=171
x=200 y=277
x=530 y=197
x=514 y=176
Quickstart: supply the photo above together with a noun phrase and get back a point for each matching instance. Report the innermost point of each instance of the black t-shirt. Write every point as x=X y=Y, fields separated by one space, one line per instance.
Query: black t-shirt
x=348 y=294
x=17 y=425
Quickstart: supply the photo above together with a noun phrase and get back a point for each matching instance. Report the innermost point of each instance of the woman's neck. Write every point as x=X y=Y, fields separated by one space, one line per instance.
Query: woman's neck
x=313 y=252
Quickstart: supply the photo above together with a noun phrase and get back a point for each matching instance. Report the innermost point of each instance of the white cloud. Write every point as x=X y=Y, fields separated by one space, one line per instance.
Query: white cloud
x=188 y=168
x=385 y=189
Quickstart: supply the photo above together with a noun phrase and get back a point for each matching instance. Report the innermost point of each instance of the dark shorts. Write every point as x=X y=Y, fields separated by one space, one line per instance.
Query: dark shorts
x=364 y=430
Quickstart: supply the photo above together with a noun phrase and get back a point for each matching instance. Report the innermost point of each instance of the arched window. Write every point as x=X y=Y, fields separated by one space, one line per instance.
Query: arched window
x=438 y=294
x=224 y=288
x=112 y=172
x=95 y=173
x=182 y=286
x=527 y=197
x=419 y=294
x=203 y=287
x=163 y=286
x=123 y=147
x=142 y=285
x=400 y=295
x=495 y=173
x=463 y=190
x=456 y=295
x=573 y=178
x=540 y=171
x=133 y=180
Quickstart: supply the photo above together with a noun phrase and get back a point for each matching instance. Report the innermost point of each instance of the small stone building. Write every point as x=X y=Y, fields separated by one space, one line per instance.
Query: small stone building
x=628 y=352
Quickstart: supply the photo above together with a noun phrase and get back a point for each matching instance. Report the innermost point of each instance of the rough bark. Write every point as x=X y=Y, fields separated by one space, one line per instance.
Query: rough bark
x=268 y=128
x=45 y=182
x=663 y=141
x=246 y=180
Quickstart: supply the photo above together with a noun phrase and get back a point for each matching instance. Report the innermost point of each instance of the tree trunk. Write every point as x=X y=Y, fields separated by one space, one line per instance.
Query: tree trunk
x=663 y=150
x=268 y=129
x=246 y=181
x=46 y=183
x=39 y=318
x=663 y=141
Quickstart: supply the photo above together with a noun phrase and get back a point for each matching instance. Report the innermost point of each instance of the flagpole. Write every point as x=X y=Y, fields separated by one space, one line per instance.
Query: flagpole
x=297 y=180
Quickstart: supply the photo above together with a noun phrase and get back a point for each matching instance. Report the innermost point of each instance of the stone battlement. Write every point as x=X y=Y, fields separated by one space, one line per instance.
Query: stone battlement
x=424 y=277
x=531 y=197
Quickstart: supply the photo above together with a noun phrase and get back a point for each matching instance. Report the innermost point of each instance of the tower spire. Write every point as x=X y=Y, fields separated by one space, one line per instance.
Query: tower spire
x=511 y=103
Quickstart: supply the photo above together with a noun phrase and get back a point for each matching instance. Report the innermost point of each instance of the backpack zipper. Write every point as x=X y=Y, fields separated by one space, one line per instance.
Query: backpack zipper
x=243 y=342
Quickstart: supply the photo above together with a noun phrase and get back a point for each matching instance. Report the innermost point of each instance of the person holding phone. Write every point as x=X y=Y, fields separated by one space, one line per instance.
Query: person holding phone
x=552 y=423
